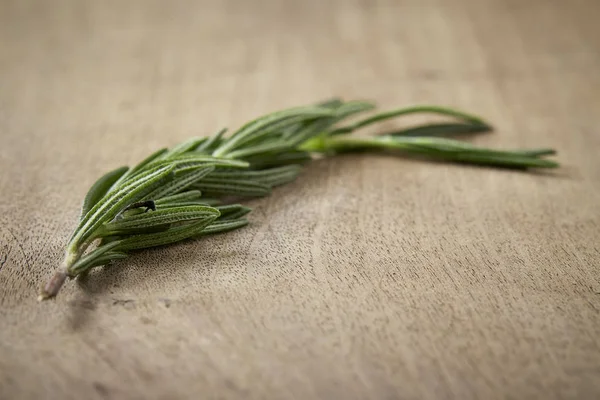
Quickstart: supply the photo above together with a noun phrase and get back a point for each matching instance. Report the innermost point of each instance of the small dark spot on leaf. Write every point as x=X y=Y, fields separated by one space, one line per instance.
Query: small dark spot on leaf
x=146 y=320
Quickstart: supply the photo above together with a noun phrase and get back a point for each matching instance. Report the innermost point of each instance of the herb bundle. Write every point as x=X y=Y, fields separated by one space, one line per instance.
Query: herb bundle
x=181 y=193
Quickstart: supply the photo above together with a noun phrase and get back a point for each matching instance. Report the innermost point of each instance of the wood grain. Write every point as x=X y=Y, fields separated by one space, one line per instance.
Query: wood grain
x=370 y=277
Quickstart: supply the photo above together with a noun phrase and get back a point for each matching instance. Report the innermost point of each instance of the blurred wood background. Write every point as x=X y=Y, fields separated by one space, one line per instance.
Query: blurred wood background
x=370 y=277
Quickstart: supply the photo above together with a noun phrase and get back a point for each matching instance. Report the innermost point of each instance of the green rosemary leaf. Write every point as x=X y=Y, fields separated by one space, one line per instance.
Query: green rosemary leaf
x=451 y=145
x=334 y=102
x=352 y=108
x=100 y=188
x=189 y=195
x=500 y=160
x=272 y=122
x=142 y=164
x=95 y=260
x=184 y=147
x=255 y=175
x=263 y=138
x=270 y=160
x=131 y=191
x=181 y=181
x=232 y=211
x=102 y=250
x=185 y=168
x=433 y=130
x=536 y=152
x=212 y=142
x=319 y=126
x=236 y=215
x=158 y=218
x=260 y=149
x=205 y=201
x=283 y=177
x=100 y=261
x=270 y=176
x=172 y=235
x=183 y=161
x=410 y=110
x=439 y=148
x=109 y=239
x=209 y=201
x=89 y=258
x=223 y=226
x=164 y=215
x=232 y=187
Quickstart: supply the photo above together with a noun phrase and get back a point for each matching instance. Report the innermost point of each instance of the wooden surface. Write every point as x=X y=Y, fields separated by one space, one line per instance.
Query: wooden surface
x=370 y=277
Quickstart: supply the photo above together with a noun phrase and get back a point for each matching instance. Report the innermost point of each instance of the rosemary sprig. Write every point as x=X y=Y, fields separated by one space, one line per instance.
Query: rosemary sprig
x=180 y=193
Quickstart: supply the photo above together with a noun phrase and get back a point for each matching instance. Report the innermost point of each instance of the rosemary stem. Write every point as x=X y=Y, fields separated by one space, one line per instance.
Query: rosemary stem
x=383 y=116
x=53 y=286
x=443 y=149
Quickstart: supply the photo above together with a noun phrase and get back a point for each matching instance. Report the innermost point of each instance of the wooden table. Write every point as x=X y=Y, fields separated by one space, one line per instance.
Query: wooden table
x=370 y=277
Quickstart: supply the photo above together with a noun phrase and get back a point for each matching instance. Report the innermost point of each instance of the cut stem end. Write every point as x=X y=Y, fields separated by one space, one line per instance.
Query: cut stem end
x=53 y=286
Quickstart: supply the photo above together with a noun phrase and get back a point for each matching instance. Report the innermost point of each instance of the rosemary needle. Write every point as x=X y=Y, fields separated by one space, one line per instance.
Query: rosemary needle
x=180 y=193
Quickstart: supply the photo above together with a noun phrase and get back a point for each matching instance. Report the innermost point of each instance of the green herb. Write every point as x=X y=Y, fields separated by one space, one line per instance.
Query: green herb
x=180 y=193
